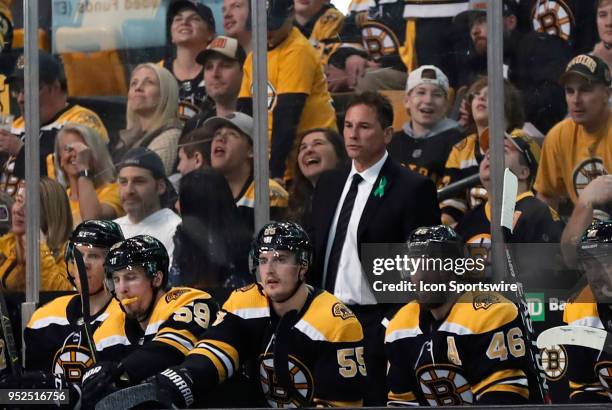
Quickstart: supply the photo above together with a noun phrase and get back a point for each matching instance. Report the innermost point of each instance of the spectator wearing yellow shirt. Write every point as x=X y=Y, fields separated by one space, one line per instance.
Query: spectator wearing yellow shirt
x=83 y=162
x=55 y=227
x=298 y=99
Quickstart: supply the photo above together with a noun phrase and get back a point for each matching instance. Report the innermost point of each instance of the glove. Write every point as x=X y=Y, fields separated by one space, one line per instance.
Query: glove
x=174 y=386
x=101 y=380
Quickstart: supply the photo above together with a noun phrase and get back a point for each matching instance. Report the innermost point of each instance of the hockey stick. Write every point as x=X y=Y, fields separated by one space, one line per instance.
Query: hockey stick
x=9 y=338
x=510 y=192
x=132 y=397
x=585 y=336
x=78 y=257
x=456 y=187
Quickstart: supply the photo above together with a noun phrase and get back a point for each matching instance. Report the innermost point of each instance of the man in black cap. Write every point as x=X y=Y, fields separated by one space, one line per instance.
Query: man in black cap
x=298 y=99
x=55 y=111
x=578 y=149
x=143 y=188
x=191 y=26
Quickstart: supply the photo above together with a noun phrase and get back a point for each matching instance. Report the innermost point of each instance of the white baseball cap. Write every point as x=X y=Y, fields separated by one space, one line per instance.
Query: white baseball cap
x=427 y=74
x=241 y=121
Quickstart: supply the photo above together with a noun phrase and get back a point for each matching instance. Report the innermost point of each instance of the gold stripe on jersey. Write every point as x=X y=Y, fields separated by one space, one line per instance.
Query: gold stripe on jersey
x=170 y=302
x=357 y=6
x=248 y=302
x=405 y=323
x=328 y=25
x=579 y=388
x=335 y=403
x=223 y=356
x=523 y=391
x=496 y=312
x=51 y=313
x=409 y=396
x=582 y=310
x=182 y=340
x=506 y=376
x=343 y=326
x=279 y=197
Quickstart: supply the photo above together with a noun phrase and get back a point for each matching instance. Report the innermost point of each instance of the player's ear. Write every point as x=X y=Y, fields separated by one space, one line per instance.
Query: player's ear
x=157 y=279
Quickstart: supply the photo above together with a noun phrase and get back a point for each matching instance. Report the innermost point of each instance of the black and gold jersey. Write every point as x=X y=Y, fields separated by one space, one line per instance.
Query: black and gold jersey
x=325 y=25
x=589 y=371
x=476 y=355
x=178 y=320
x=310 y=358
x=463 y=161
x=427 y=154
x=572 y=20
x=533 y=222
x=14 y=168
x=55 y=340
x=192 y=92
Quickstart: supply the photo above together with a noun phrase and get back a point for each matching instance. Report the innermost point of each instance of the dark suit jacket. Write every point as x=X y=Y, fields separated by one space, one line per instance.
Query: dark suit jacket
x=409 y=201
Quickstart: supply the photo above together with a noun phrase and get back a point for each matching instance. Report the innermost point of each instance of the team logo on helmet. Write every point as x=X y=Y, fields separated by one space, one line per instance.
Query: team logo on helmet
x=554 y=362
x=277 y=396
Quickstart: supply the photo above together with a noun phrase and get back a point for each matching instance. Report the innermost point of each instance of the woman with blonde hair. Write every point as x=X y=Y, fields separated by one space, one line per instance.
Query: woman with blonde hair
x=152 y=114
x=84 y=164
x=55 y=229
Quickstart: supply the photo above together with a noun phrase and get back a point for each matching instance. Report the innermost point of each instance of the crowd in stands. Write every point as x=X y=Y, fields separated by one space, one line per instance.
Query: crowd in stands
x=182 y=170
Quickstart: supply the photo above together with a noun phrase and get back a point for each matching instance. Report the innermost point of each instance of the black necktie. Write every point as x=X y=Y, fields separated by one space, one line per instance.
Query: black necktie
x=341 y=227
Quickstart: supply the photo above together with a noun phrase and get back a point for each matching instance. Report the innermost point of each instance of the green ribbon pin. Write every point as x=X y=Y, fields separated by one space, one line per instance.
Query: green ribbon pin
x=380 y=189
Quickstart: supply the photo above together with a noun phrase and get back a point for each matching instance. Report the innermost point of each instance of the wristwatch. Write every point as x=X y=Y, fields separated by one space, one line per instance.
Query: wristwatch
x=84 y=173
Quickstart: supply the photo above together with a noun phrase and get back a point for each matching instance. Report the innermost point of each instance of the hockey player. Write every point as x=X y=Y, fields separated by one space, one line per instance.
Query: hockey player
x=589 y=370
x=307 y=345
x=161 y=324
x=54 y=338
x=449 y=348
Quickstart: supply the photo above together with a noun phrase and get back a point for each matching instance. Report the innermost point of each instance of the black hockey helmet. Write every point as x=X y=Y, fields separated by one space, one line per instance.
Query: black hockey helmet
x=439 y=240
x=596 y=240
x=287 y=236
x=141 y=250
x=95 y=232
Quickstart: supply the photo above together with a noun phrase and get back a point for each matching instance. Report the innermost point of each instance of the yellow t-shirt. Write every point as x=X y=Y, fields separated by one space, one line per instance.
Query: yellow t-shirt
x=107 y=194
x=13 y=273
x=328 y=25
x=572 y=157
x=294 y=67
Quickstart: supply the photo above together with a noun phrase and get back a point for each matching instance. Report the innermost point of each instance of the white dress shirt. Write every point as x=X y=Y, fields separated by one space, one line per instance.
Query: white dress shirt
x=351 y=286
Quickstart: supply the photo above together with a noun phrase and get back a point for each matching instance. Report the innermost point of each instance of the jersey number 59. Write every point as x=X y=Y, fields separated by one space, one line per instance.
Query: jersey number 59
x=200 y=314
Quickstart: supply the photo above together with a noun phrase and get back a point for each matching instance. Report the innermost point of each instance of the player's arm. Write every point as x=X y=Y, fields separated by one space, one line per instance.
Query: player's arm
x=174 y=339
x=502 y=376
x=400 y=371
x=584 y=386
x=228 y=343
x=340 y=371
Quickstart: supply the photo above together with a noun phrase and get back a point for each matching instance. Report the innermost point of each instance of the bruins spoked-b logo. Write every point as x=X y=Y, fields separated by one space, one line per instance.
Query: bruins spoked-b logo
x=554 y=17
x=554 y=362
x=277 y=396
x=444 y=385
x=72 y=361
x=586 y=171
x=379 y=39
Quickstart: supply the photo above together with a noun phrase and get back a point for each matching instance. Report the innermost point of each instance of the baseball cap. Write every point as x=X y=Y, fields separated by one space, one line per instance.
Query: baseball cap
x=590 y=67
x=478 y=8
x=242 y=122
x=427 y=74
x=527 y=147
x=204 y=11
x=277 y=12
x=50 y=69
x=226 y=46
x=142 y=157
